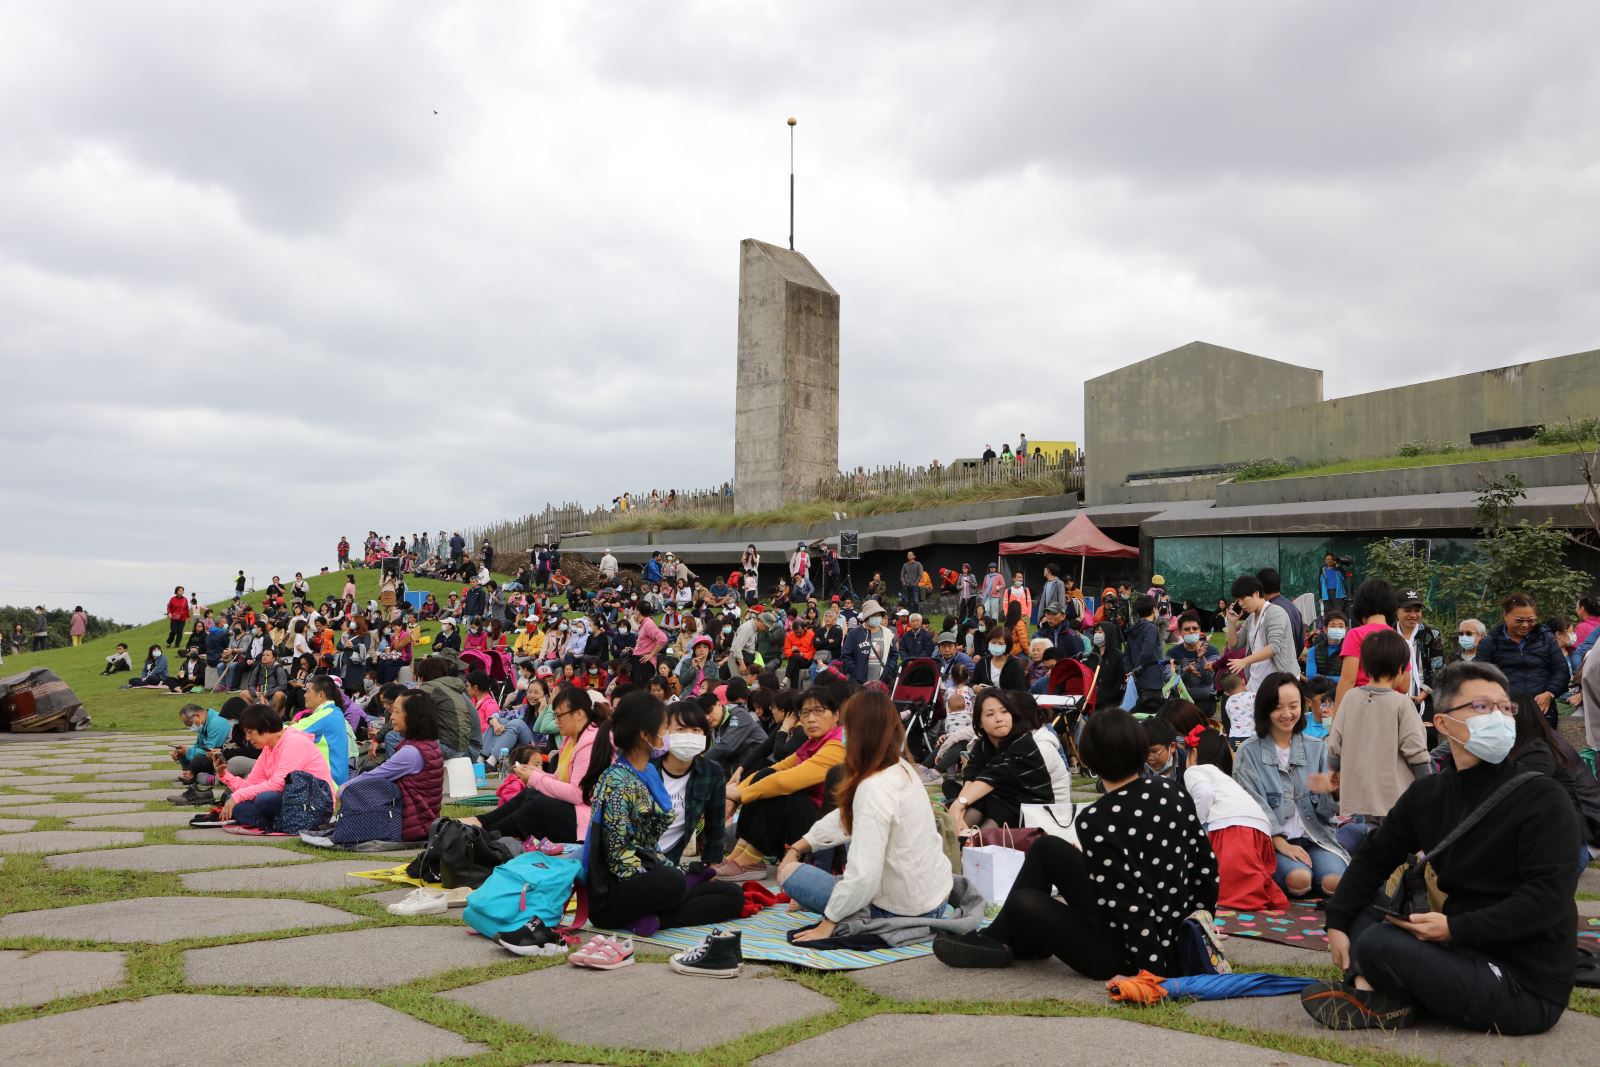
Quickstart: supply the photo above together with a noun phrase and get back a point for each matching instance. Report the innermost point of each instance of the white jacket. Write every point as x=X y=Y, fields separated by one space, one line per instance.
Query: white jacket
x=896 y=858
x=1050 y=749
x=1220 y=802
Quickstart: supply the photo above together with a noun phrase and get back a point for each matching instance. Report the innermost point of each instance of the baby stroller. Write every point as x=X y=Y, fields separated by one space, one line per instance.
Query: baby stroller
x=1071 y=695
x=916 y=694
x=496 y=664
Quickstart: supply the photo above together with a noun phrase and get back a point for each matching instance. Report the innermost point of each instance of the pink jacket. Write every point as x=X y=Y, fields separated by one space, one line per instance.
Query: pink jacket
x=571 y=792
x=650 y=641
x=295 y=751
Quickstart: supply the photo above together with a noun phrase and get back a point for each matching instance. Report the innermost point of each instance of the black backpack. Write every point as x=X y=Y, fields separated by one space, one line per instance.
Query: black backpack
x=307 y=804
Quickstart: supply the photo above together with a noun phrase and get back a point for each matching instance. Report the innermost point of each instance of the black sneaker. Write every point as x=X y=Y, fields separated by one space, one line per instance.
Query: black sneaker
x=194 y=796
x=210 y=820
x=720 y=955
x=1341 y=1006
x=534 y=939
x=971 y=950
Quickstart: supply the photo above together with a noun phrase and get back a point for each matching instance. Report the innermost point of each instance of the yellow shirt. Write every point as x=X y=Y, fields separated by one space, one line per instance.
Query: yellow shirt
x=528 y=644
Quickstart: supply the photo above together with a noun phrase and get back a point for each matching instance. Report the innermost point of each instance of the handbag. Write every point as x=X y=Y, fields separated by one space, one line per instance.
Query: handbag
x=1056 y=820
x=1014 y=837
x=1409 y=893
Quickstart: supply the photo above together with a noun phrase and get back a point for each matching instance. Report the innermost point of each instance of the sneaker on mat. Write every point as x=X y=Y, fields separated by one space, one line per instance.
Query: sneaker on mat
x=603 y=952
x=210 y=820
x=194 y=796
x=533 y=939
x=971 y=950
x=421 y=902
x=734 y=871
x=1341 y=1006
x=720 y=955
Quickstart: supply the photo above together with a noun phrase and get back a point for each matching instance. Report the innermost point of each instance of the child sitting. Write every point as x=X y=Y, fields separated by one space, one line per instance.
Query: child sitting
x=1164 y=757
x=957 y=723
x=522 y=755
x=1239 y=707
x=1239 y=831
x=1377 y=746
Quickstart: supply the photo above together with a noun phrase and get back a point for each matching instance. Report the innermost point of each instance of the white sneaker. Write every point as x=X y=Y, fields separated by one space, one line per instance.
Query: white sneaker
x=421 y=902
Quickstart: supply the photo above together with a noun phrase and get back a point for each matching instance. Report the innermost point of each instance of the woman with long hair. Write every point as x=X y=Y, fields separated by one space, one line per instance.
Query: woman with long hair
x=556 y=804
x=897 y=864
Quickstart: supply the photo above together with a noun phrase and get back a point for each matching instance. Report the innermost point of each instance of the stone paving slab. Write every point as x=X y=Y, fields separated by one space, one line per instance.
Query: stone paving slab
x=140 y=1033
x=38 y=806
x=140 y=792
x=1589 y=909
x=215 y=836
x=65 y=840
x=32 y=783
x=167 y=775
x=925 y=978
x=581 y=1006
x=178 y=857
x=28 y=979
x=64 y=786
x=157 y=919
x=12 y=826
x=10 y=799
x=135 y=820
x=962 y=1041
x=328 y=874
x=385 y=956
x=1571 y=1044
x=1589 y=880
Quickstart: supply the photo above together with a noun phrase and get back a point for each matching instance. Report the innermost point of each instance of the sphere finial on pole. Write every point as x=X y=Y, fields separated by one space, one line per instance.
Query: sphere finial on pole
x=793 y=122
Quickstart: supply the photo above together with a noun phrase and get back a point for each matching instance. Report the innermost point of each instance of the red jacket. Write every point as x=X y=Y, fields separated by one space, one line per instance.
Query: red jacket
x=178 y=609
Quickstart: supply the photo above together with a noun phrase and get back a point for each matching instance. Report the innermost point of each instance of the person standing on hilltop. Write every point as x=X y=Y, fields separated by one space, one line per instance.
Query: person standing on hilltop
x=238 y=584
x=41 y=629
x=177 y=616
x=487 y=555
x=78 y=626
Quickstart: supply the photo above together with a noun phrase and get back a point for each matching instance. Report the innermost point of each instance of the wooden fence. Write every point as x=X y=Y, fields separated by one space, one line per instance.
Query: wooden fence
x=555 y=521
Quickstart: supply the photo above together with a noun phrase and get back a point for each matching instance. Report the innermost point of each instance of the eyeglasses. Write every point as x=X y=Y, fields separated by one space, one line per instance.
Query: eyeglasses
x=1483 y=707
x=569 y=711
x=813 y=712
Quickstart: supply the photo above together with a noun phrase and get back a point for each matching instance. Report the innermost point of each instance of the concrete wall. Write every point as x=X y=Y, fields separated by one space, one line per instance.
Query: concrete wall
x=1165 y=412
x=1407 y=481
x=786 y=412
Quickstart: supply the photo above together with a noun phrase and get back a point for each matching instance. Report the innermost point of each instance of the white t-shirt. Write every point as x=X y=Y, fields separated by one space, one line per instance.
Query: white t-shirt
x=1292 y=826
x=1220 y=802
x=1241 y=709
x=677 y=789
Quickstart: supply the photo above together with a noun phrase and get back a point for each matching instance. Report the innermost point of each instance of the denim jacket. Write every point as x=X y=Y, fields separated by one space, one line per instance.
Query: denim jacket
x=1255 y=767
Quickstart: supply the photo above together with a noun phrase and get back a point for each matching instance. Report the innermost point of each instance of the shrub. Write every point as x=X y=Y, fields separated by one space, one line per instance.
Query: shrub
x=1426 y=448
x=1257 y=469
x=1584 y=431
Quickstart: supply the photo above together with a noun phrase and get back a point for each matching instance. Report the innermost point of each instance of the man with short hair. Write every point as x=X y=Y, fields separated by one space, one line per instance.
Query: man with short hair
x=951 y=655
x=911 y=582
x=1262 y=628
x=1144 y=650
x=608 y=565
x=917 y=641
x=1272 y=589
x=1053 y=628
x=1196 y=661
x=1053 y=597
x=267 y=678
x=1426 y=648
x=195 y=759
x=1499 y=957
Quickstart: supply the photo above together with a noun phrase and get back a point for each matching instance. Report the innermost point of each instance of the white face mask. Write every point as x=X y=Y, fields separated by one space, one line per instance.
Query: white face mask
x=686 y=746
x=996 y=649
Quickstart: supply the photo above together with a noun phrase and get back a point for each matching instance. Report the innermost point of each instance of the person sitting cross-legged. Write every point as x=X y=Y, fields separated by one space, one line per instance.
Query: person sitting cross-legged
x=1497 y=955
x=255 y=800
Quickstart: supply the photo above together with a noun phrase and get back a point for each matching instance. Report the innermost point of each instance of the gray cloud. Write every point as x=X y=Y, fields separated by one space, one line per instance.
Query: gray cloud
x=257 y=294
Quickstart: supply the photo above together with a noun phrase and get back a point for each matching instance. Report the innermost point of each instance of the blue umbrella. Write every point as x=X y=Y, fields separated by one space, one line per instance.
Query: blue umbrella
x=1230 y=986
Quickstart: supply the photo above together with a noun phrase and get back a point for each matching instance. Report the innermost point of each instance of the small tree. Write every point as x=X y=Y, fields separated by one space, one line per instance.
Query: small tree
x=1401 y=564
x=1530 y=557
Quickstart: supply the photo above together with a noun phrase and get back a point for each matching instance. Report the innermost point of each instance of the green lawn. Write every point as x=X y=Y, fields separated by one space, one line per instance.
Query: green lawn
x=156 y=710
x=823 y=510
x=1427 y=459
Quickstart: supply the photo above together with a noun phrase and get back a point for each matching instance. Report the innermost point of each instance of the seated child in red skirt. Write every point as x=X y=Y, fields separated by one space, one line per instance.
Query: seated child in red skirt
x=1240 y=834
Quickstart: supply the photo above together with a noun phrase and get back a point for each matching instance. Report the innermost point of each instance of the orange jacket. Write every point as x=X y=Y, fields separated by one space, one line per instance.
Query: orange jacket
x=804 y=644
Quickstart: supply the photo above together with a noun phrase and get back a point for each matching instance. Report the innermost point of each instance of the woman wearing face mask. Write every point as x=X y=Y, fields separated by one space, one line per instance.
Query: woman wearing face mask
x=577 y=645
x=1469 y=635
x=695 y=784
x=998 y=667
x=870 y=651
x=1498 y=958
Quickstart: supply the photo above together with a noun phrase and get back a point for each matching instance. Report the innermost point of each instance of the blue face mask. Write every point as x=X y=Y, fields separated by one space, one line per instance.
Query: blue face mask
x=1489 y=737
x=1191 y=639
x=1467 y=642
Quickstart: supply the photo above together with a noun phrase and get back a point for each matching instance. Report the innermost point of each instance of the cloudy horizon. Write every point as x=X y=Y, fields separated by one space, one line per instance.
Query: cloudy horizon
x=273 y=273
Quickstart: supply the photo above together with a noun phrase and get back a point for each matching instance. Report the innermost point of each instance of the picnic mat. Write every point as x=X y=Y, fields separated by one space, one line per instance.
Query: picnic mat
x=765 y=941
x=1301 y=927
x=396 y=875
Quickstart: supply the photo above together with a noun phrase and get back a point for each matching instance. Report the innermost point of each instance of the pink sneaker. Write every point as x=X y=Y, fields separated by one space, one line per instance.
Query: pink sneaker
x=603 y=953
x=734 y=871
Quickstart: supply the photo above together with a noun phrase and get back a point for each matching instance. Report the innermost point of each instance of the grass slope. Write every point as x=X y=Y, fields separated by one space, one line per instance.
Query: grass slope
x=1428 y=459
x=152 y=710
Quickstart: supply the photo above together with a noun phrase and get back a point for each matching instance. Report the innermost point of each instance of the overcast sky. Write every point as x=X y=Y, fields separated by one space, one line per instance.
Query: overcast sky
x=275 y=272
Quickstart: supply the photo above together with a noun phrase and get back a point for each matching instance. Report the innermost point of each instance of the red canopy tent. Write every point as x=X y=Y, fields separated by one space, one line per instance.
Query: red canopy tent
x=1080 y=537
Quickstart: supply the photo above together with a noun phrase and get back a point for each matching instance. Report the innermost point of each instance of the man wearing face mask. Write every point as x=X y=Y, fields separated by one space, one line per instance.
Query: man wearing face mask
x=1499 y=958
x=870 y=654
x=1196 y=663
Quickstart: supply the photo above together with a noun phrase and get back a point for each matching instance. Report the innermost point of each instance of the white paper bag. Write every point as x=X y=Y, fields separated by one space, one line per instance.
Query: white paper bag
x=1057 y=820
x=991 y=870
x=458 y=778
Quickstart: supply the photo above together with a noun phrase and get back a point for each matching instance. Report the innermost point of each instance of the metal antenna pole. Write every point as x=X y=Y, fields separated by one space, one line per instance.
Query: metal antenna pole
x=792 y=122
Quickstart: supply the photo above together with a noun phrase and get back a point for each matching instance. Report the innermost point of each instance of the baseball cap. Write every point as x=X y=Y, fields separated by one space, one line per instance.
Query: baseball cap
x=902 y=611
x=1409 y=597
x=947 y=638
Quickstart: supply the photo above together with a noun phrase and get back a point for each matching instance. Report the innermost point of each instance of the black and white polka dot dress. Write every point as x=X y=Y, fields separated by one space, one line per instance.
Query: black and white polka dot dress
x=1151 y=865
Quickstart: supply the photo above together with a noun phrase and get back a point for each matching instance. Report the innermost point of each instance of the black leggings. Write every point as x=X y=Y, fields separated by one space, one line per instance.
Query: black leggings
x=1456 y=986
x=773 y=824
x=1035 y=924
x=665 y=893
x=532 y=814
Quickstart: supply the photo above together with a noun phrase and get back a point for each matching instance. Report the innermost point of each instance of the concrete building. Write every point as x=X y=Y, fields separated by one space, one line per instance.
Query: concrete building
x=786 y=413
x=1201 y=408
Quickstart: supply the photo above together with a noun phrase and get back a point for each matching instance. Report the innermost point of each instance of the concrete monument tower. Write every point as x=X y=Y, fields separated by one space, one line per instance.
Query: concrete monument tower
x=786 y=413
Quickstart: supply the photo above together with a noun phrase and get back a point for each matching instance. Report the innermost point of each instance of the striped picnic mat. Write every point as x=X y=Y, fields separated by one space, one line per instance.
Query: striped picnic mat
x=765 y=941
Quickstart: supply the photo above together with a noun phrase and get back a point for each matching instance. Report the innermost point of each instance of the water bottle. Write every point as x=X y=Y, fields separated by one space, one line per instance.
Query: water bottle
x=502 y=761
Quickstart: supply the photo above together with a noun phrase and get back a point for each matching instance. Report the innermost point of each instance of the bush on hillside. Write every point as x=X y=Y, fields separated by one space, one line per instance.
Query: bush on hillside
x=1426 y=447
x=1258 y=469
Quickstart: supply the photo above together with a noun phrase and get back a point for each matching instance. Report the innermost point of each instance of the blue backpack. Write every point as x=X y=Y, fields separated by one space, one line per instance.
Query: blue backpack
x=526 y=886
x=369 y=810
x=307 y=804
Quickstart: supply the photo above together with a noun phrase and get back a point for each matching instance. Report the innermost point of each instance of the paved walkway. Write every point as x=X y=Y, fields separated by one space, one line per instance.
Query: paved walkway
x=120 y=927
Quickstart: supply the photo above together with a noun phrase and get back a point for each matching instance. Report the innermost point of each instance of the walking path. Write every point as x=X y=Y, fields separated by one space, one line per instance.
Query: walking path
x=120 y=928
